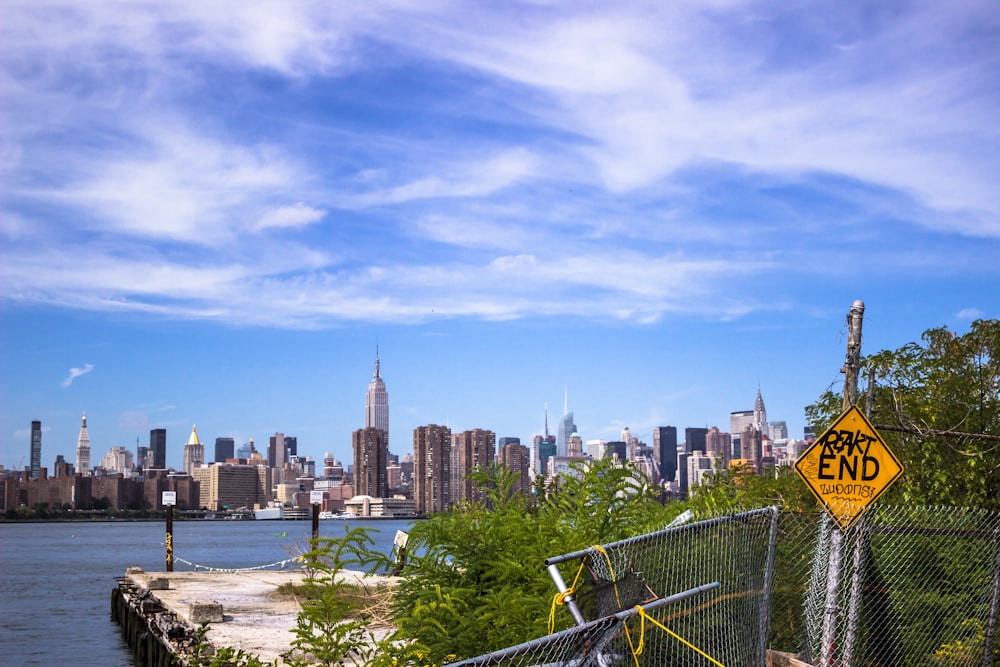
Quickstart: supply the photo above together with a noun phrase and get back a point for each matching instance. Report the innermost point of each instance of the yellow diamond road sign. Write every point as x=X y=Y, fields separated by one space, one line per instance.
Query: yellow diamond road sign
x=848 y=467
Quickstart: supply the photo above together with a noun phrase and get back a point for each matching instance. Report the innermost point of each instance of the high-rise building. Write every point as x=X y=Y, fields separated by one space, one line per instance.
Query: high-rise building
x=470 y=450
x=118 y=459
x=752 y=445
x=83 y=450
x=36 y=449
x=224 y=449
x=517 y=459
x=760 y=415
x=694 y=439
x=431 y=468
x=779 y=430
x=158 y=445
x=371 y=454
x=665 y=451
x=566 y=429
x=543 y=447
x=142 y=459
x=575 y=448
x=194 y=452
x=718 y=446
x=277 y=453
x=246 y=450
x=738 y=421
x=291 y=446
x=377 y=401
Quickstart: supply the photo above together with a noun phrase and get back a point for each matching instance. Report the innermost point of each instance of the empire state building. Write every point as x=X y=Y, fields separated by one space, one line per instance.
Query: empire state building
x=377 y=402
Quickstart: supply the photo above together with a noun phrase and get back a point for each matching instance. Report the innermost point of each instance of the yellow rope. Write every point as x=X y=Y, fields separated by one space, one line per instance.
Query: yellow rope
x=611 y=569
x=644 y=616
x=560 y=598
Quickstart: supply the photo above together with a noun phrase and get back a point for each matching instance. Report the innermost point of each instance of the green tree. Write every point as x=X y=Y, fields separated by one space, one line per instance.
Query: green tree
x=936 y=391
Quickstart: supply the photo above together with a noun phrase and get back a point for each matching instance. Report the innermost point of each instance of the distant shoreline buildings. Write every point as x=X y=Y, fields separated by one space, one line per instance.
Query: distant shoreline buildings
x=437 y=475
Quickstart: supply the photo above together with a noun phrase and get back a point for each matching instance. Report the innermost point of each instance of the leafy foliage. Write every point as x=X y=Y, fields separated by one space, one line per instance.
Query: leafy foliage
x=947 y=382
x=327 y=632
x=477 y=581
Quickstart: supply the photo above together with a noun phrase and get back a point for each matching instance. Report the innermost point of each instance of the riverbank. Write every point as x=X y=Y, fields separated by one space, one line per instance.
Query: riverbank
x=247 y=610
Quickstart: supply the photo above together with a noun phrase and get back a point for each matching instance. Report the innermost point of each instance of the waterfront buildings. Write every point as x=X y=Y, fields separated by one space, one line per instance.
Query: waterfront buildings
x=277 y=453
x=83 y=449
x=229 y=486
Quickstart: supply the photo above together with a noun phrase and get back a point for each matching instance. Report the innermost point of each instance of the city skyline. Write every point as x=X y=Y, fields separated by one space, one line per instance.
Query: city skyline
x=214 y=214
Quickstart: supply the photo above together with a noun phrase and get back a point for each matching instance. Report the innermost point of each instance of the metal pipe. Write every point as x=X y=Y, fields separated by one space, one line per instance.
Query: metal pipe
x=570 y=602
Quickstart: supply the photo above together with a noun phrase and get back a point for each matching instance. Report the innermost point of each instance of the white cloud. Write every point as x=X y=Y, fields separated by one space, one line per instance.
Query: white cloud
x=969 y=314
x=74 y=373
x=297 y=215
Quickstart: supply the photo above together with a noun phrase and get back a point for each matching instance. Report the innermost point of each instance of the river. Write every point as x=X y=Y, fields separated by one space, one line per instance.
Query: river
x=56 y=578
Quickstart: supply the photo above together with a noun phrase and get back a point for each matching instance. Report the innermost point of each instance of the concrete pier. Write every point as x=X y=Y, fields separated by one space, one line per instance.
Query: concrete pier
x=244 y=609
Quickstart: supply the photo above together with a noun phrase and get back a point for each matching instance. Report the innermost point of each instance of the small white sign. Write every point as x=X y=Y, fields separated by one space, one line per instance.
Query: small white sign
x=169 y=498
x=316 y=497
x=401 y=539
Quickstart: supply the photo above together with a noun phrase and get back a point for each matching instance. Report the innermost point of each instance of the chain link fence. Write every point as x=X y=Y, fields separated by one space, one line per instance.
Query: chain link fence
x=905 y=586
x=916 y=586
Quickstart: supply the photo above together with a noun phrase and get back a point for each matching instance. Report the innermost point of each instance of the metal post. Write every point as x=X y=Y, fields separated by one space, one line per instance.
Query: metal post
x=170 y=538
x=850 y=370
x=854 y=602
x=991 y=622
x=764 y=628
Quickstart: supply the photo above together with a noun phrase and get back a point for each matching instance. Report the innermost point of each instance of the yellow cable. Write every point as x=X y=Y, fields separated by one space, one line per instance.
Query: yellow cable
x=644 y=615
x=611 y=569
x=560 y=598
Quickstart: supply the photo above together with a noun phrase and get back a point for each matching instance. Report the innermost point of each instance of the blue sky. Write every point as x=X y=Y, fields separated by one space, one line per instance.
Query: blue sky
x=212 y=211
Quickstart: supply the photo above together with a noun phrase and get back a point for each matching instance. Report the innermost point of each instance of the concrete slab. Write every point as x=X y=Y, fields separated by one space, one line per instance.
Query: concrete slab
x=256 y=619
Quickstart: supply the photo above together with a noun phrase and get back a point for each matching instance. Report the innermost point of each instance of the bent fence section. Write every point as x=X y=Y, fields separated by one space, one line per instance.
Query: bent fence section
x=915 y=586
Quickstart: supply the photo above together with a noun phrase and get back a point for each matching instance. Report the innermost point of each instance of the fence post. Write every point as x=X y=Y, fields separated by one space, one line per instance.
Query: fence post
x=764 y=629
x=854 y=602
x=850 y=370
x=991 y=622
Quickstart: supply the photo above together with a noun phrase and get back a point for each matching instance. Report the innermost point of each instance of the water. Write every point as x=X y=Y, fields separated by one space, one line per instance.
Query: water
x=56 y=578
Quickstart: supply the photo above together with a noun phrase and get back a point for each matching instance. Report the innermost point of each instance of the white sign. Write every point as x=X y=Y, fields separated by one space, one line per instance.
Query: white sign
x=316 y=497
x=169 y=498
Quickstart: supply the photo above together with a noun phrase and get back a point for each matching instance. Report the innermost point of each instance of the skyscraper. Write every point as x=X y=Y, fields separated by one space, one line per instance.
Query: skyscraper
x=431 y=468
x=566 y=429
x=277 y=453
x=738 y=421
x=194 y=452
x=377 y=401
x=83 y=450
x=158 y=445
x=718 y=446
x=224 y=449
x=760 y=415
x=665 y=451
x=371 y=460
x=517 y=459
x=694 y=438
x=470 y=450
x=36 y=449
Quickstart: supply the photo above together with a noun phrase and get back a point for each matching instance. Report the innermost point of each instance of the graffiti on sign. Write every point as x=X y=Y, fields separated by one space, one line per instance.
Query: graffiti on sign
x=848 y=467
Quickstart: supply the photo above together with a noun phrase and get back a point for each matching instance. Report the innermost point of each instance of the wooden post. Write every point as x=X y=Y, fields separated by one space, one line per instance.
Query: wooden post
x=315 y=518
x=850 y=370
